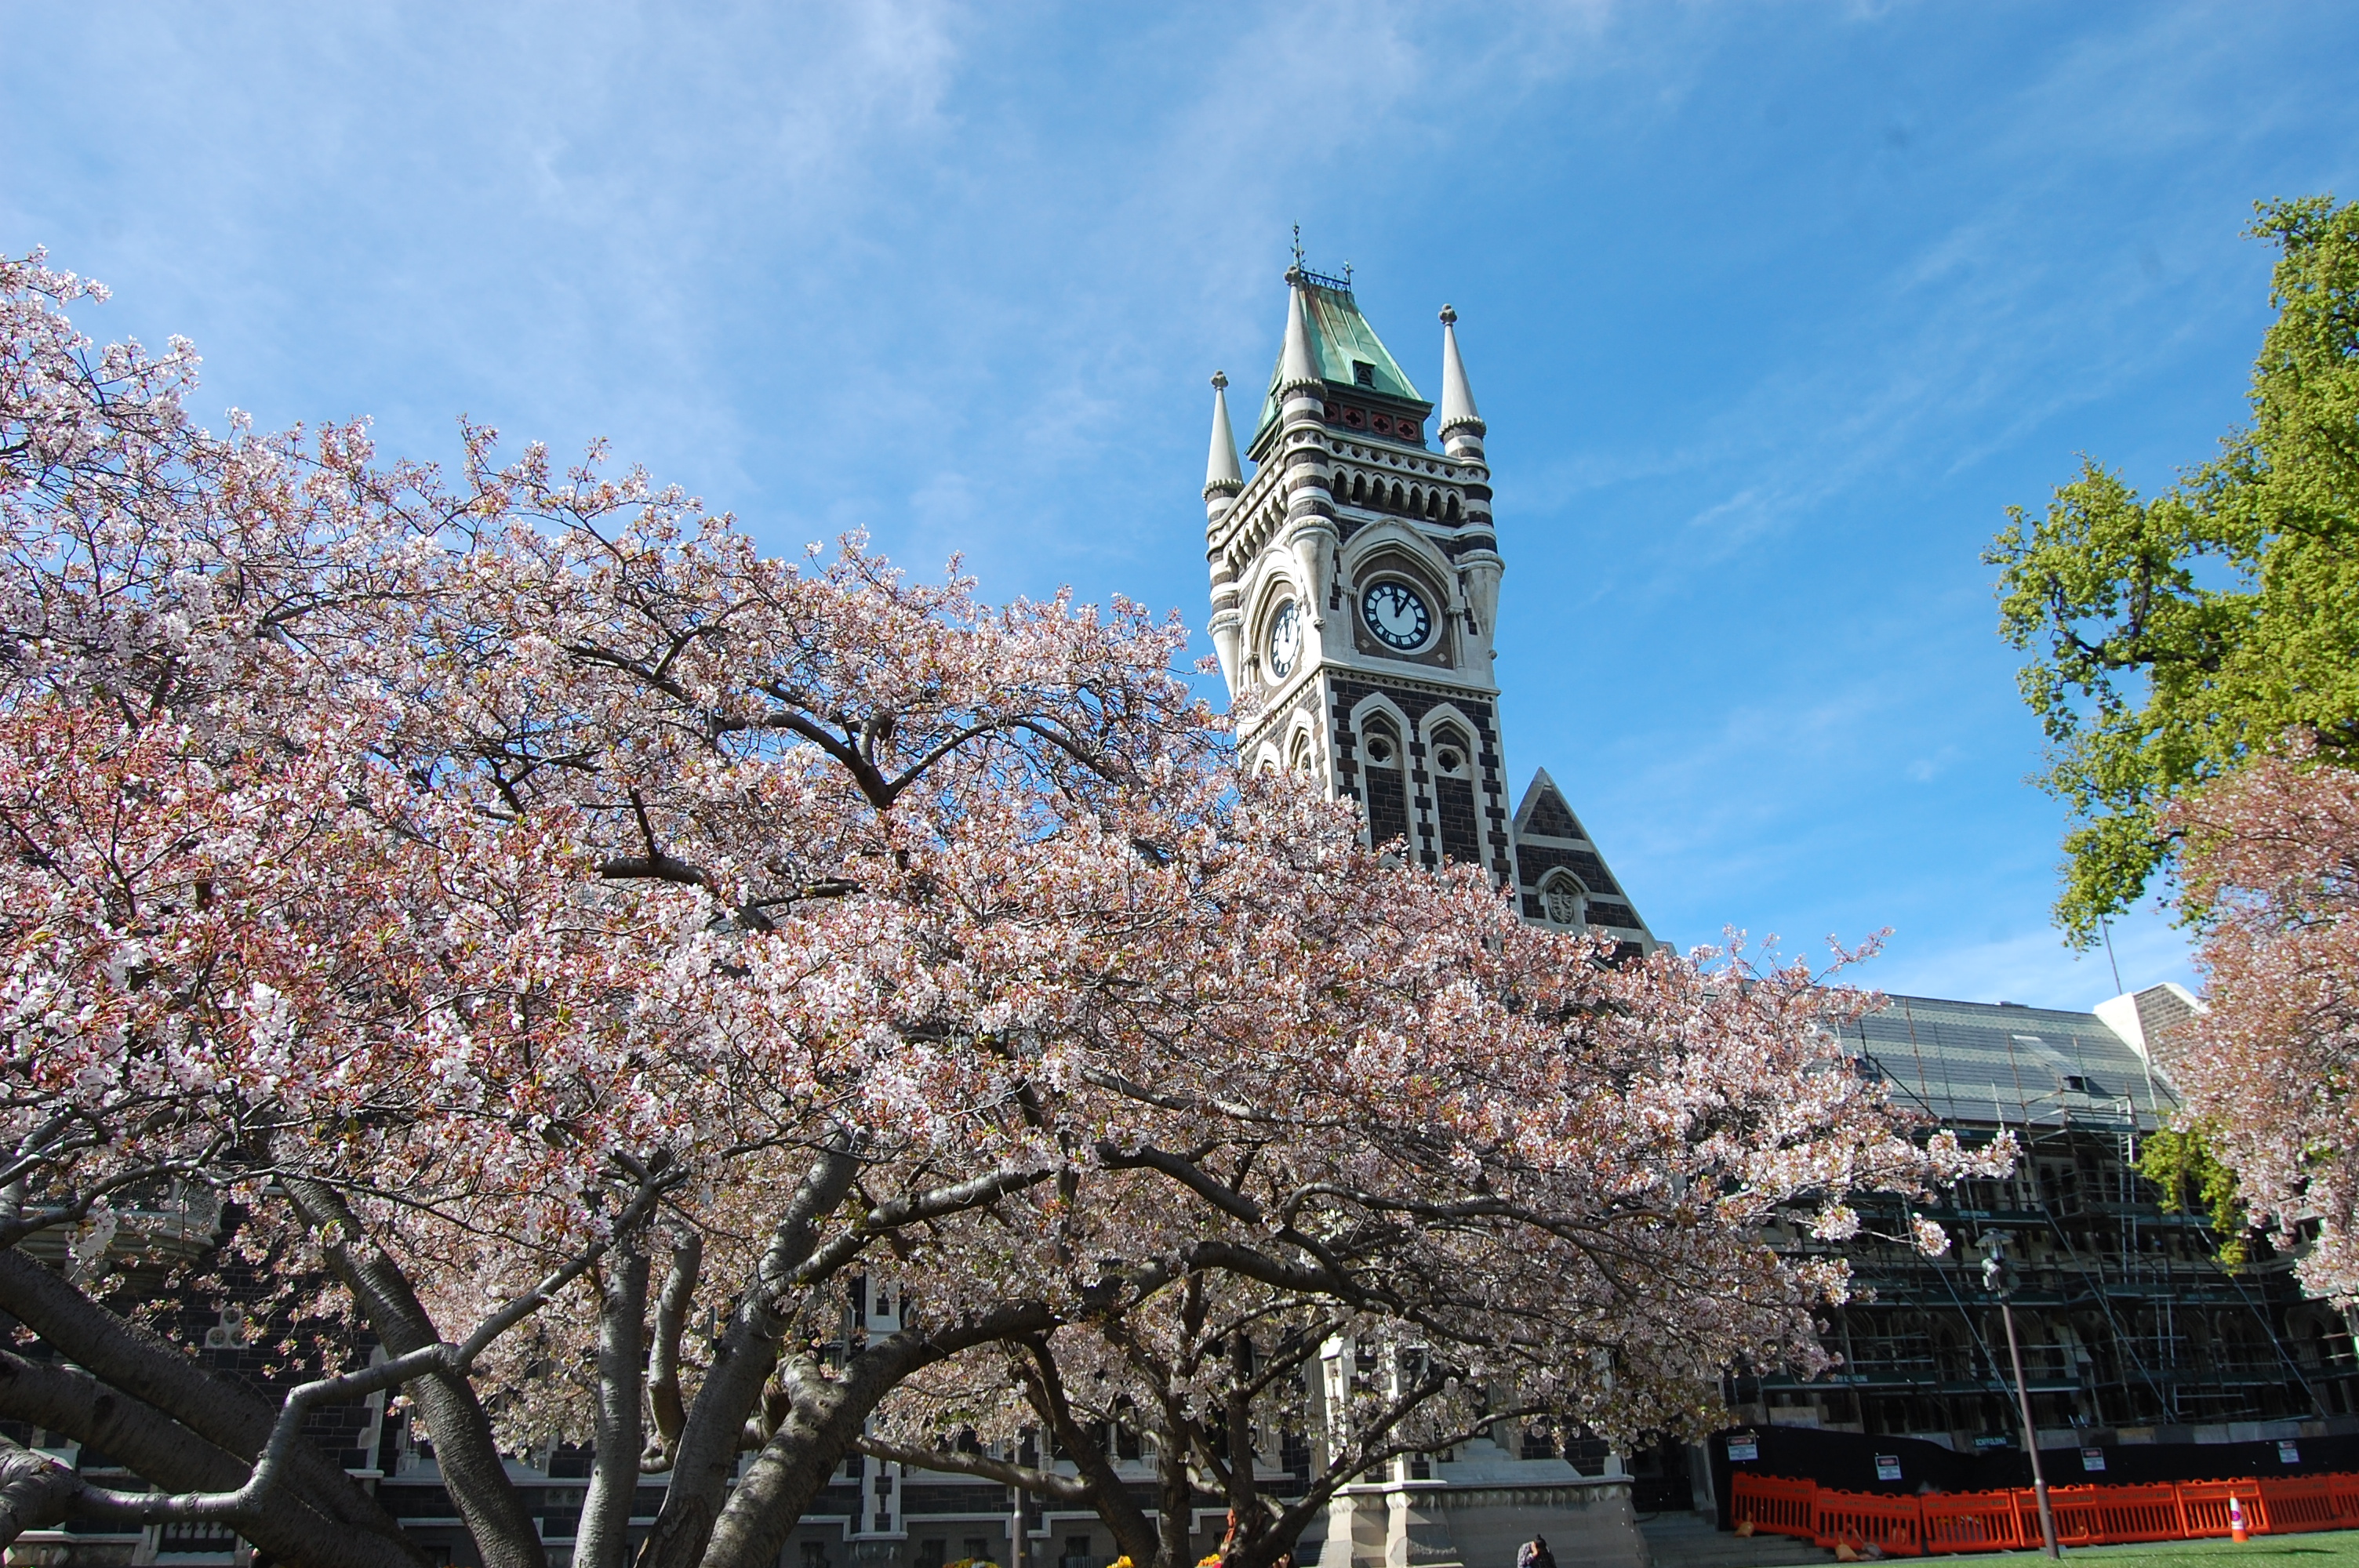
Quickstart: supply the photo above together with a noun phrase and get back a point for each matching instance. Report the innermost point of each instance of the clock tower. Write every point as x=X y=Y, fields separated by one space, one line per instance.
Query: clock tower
x=1354 y=582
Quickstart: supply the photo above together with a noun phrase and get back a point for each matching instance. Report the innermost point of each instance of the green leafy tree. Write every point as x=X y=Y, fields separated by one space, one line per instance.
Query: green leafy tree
x=2183 y=1162
x=2176 y=637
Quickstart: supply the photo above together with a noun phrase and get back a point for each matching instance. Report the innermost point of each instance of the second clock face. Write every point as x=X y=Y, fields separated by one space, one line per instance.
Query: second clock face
x=1285 y=640
x=1395 y=612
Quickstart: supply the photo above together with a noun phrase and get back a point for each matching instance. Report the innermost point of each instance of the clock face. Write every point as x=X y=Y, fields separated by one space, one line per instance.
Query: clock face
x=1398 y=615
x=1285 y=639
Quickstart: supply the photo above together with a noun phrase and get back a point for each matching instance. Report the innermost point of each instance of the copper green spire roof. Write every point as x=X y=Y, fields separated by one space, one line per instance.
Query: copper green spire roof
x=1341 y=343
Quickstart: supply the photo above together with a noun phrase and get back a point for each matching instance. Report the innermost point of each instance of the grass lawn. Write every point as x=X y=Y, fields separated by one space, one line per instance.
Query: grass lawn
x=2322 y=1548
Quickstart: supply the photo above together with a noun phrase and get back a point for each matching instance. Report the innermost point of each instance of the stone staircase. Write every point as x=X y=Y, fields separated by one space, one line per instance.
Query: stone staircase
x=1691 y=1540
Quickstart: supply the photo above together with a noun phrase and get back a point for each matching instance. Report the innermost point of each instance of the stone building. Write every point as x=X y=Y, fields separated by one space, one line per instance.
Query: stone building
x=1355 y=582
x=2134 y=1332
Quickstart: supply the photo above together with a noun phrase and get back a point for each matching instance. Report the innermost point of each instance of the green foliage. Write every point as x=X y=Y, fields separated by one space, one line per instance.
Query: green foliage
x=2172 y=638
x=2183 y=1165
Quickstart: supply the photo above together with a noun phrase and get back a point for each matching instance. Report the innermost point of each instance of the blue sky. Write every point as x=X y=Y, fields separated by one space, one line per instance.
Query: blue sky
x=1772 y=309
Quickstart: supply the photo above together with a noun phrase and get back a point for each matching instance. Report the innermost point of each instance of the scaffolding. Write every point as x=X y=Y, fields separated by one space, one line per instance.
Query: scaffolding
x=2133 y=1329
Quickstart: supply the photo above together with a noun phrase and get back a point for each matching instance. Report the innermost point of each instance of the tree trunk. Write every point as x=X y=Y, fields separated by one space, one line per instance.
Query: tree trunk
x=664 y=1406
x=469 y=1457
x=823 y=1422
x=604 y=1540
x=1134 y=1537
x=1247 y=1519
x=742 y=1364
x=36 y=1492
x=1174 y=1498
x=133 y=1361
x=166 y=1454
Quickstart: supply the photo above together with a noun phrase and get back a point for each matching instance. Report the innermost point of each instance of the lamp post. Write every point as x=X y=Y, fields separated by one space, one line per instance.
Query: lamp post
x=1999 y=1280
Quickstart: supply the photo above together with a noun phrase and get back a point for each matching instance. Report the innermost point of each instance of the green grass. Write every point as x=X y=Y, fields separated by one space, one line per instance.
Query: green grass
x=2321 y=1549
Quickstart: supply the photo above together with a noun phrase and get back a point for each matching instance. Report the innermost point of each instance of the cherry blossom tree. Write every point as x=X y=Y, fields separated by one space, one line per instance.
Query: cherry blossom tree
x=2273 y=858
x=524 y=920
x=1561 y=1220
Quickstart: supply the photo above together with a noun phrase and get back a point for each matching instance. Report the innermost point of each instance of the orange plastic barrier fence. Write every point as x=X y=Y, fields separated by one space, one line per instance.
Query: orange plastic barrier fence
x=1970 y=1521
x=2204 y=1506
x=2092 y=1516
x=2009 y=1521
x=2296 y=1503
x=1774 y=1504
x=1861 y=1518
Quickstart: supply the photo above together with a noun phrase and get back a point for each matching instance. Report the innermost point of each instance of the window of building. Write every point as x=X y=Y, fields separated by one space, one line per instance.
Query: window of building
x=1364 y=373
x=1453 y=794
x=1384 y=791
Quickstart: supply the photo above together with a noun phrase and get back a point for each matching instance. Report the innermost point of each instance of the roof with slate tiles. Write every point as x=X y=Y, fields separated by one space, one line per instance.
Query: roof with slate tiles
x=2022 y=1067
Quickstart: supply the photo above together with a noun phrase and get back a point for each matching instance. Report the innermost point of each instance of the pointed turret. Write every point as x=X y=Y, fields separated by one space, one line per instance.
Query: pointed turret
x=1462 y=426
x=1222 y=471
x=1298 y=366
x=1222 y=480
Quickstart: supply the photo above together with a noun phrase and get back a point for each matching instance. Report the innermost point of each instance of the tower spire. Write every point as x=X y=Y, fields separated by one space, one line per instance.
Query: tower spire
x=1457 y=398
x=1222 y=471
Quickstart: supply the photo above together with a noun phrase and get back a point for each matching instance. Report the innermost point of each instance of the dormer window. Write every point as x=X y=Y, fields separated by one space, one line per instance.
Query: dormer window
x=1364 y=373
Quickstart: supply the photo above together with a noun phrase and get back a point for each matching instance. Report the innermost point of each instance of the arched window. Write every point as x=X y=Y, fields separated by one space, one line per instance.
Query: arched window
x=1416 y=501
x=1383 y=784
x=1399 y=501
x=1298 y=759
x=1448 y=753
x=1433 y=505
x=1451 y=761
x=1359 y=488
x=1451 y=513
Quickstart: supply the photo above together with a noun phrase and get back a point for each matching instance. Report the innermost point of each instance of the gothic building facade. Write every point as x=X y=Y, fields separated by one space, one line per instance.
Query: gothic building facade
x=1356 y=588
x=1355 y=583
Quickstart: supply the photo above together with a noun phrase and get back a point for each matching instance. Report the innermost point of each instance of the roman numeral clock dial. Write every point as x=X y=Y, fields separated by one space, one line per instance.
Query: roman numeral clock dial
x=1396 y=613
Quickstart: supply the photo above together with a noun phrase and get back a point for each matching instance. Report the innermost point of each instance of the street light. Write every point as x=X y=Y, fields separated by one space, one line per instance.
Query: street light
x=1999 y=1280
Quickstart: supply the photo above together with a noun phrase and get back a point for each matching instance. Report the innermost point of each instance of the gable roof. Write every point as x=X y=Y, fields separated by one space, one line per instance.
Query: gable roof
x=1548 y=839
x=1545 y=811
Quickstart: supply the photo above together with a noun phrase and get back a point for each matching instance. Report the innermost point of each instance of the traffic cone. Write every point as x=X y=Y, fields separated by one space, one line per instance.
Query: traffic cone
x=2236 y=1531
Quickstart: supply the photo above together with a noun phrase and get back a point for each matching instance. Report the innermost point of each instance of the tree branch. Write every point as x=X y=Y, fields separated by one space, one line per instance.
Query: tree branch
x=1025 y=1477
